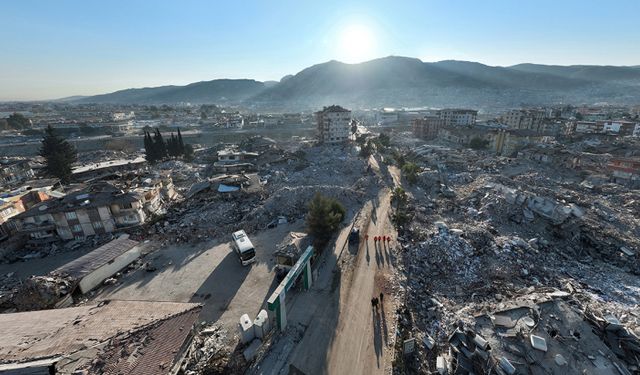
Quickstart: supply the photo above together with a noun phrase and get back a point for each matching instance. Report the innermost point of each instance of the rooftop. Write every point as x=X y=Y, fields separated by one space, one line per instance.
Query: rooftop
x=35 y=335
x=90 y=262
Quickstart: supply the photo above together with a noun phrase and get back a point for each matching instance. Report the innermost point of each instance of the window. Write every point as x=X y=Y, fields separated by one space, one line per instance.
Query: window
x=77 y=228
x=125 y=205
x=71 y=215
x=97 y=224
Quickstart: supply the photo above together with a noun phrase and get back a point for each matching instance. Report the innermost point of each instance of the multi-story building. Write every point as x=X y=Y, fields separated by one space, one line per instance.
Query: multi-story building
x=625 y=171
x=334 y=124
x=524 y=119
x=588 y=127
x=100 y=209
x=458 y=117
x=427 y=127
x=619 y=127
x=13 y=172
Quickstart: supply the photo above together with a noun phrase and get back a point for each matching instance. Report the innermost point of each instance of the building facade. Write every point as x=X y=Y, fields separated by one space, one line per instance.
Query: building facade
x=13 y=172
x=98 y=210
x=531 y=119
x=427 y=127
x=458 y=117
x=334 y=124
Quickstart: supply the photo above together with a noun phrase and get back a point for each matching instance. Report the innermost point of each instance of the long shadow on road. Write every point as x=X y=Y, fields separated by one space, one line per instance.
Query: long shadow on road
x=218 y=290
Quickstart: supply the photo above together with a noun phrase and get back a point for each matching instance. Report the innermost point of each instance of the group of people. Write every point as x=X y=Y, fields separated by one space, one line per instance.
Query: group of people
x=375 y=301
x=378 y=238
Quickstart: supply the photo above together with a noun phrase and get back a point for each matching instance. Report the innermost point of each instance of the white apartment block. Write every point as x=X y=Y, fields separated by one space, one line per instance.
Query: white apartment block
x=334 y=124
x=458 y=117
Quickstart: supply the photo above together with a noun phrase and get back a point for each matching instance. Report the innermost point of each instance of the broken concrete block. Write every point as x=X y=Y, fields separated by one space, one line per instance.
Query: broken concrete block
x=480 y=342
x=261 y=324
x=252 y=350
x=613 y=323
x=538 y=342
x=429 y=342
x=560 y=361
x=503 y=321
x=441 y=365
x=507 y=366
x=628 y=252
x=246 y=329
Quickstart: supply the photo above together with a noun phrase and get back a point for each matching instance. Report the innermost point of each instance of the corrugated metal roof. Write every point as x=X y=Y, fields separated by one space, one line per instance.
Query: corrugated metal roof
x=90 y=262
x=43 y=334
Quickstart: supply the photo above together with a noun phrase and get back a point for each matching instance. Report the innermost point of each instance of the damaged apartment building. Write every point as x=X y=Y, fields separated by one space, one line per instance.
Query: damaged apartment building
x=101 y=208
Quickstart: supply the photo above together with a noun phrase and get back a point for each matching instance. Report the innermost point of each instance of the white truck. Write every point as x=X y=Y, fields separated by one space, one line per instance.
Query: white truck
x=243 y=247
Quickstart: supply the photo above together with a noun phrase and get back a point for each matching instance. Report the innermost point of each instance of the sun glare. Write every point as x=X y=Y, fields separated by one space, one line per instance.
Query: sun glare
x=356 y=44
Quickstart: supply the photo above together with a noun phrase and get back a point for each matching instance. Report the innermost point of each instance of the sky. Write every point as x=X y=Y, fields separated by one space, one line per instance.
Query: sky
x=54 y=49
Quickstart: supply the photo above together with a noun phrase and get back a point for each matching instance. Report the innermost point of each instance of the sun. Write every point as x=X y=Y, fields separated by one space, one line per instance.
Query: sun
x=356 y=44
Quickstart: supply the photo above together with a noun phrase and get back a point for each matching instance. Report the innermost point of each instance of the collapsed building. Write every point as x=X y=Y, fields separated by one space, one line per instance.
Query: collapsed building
x=112 y=337
x=100 y=208
x=15 y=171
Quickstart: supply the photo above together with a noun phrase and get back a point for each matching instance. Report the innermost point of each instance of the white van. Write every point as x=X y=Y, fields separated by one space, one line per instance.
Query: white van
x=243 y=247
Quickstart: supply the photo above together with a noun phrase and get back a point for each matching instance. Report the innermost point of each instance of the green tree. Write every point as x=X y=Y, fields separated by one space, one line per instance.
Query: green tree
x=354 y=127
x=159 y=147
x=410 y=171
x=180 y=143
x=188 y=152
x=478 y=143
x=579 y=116
x=324 y=217
x=18 y=122
x=399 y=199
x=384 y=140
x=399 y=158
x=59 y=155
x=148 y=148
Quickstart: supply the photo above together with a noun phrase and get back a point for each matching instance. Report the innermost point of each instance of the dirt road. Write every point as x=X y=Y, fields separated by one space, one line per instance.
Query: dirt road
x=362 y=333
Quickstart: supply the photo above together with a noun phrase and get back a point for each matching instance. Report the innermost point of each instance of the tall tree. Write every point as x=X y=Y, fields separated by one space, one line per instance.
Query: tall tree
x=58 y=154
x=159 y=146
x=148 y=148
x=180 y=143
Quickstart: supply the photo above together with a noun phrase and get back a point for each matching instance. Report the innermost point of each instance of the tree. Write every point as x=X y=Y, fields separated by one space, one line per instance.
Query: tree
x=324 y=216
x=180 y=143
x=399 y=158
x=384 y=140
x=354 y=127
x=579 y=116
x=18 y=122
x=399 y=198
x=478 y=143
x=159 y=147
x=58 y=154
x=410 y=171
x=148 y=148
x=188 y=153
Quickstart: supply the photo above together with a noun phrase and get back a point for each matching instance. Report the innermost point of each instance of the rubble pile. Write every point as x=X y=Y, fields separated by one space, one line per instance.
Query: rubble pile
x=42 y=292
x=515 y=230
x=208 y=353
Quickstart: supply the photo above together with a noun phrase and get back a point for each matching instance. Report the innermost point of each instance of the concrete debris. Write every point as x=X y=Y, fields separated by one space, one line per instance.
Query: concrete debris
x=41 y=292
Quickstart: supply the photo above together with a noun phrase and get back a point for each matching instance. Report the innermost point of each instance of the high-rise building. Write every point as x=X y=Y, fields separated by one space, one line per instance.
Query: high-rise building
x=334 y=124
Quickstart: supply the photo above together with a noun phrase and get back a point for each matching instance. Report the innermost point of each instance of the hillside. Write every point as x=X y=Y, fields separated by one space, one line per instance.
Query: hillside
x=403 y=81
x=216 y=91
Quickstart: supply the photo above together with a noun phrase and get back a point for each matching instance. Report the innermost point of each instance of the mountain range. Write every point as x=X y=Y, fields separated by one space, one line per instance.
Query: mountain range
x=404 y=82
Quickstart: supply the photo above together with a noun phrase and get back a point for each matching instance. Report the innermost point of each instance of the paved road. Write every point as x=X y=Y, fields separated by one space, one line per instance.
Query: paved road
x=210 y=274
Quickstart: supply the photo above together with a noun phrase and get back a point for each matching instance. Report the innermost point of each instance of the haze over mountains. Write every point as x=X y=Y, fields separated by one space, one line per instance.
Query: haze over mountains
x=404 y=81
